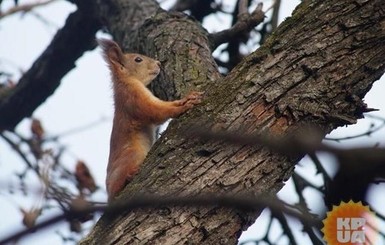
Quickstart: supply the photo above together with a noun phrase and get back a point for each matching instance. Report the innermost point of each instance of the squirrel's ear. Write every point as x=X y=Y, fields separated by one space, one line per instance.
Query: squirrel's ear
x=111 y=51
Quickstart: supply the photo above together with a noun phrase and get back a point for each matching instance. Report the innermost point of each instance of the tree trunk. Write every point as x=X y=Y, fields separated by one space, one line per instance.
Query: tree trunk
x=312 y=72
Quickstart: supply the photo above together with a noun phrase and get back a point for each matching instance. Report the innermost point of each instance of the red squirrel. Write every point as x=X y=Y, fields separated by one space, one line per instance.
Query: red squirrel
x=137 y=113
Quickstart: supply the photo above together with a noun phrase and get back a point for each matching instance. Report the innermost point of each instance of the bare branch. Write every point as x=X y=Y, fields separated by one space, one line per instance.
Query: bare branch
x=41 y=80
x=274 y=18
x=242 y=7
x=24 y=8
x=199 y=8
x=369 y=132
x=305 y=142
x=126 y=205
x=246 y=22
x=18 y=151
x=78 y=129
x=279 y=215
x=320 y=168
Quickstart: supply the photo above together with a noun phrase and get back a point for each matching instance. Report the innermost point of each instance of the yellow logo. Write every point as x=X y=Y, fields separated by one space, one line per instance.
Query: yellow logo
x=349 y=224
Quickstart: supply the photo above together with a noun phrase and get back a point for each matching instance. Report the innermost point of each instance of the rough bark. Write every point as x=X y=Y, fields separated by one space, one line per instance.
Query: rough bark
x=44 y=76
x=313 y=71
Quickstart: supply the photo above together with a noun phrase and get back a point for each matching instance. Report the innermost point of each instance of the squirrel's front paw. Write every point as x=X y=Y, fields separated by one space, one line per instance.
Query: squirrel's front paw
x=193 y=98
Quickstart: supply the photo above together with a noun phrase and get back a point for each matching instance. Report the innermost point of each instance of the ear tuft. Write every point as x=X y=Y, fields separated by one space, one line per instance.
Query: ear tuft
x=112 y=53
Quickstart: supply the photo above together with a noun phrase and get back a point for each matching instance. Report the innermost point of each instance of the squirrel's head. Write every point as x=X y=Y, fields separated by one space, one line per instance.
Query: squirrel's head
x=133 y=65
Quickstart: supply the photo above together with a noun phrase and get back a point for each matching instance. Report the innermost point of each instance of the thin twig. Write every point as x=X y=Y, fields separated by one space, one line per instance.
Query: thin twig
x=370 y=131
x=308 y=141
x=279 y=215
x=246 y=22
x=24 y=8
x=18 y=151
x=320 y=169
x=126 y=205
x=77 y=129
x=242 y=7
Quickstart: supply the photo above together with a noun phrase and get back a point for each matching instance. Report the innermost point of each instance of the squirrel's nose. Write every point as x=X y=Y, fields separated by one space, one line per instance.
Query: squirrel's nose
x=158 y=63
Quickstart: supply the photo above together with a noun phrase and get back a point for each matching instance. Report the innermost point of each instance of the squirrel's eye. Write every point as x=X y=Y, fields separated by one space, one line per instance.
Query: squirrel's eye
x=138 y=59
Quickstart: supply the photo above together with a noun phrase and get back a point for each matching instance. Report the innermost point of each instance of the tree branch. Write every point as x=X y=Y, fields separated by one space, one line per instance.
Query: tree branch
x=140 y=202
x=44 y=76
x=199 y=8
x=24 y=8
x=245 y=23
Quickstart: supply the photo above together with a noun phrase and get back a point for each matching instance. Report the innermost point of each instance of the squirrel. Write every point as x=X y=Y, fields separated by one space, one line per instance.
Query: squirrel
x=137 y=112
